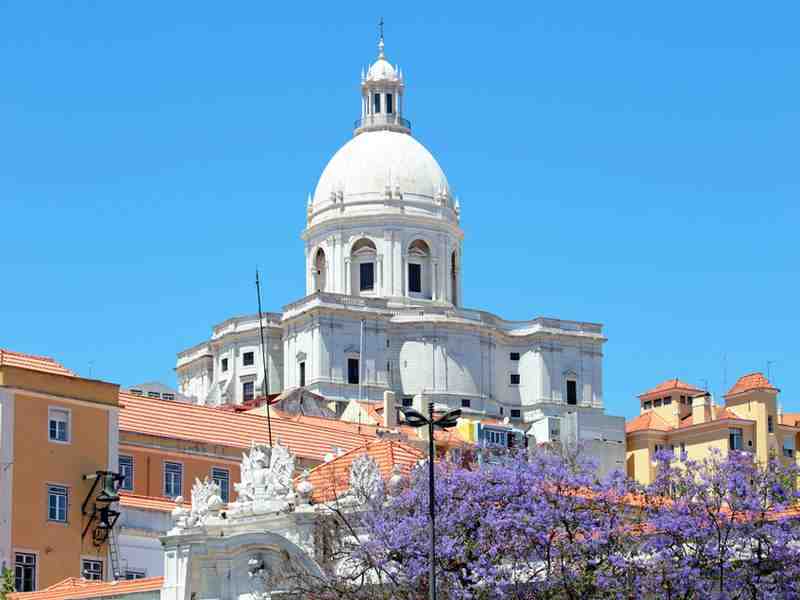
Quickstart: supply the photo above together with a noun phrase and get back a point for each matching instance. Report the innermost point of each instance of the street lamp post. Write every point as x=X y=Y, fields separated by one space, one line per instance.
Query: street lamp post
x=446 y=421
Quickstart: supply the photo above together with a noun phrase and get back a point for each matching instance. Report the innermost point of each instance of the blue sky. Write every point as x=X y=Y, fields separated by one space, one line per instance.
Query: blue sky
x=626 y=163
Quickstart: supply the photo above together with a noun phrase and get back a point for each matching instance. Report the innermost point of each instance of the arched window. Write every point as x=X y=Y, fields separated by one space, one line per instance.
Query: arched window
x=362 y=259
x=419 y=269
x=454 y=279
x=320 y=267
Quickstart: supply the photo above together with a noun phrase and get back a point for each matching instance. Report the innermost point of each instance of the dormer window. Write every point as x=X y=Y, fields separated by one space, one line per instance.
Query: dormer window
x=389 y=104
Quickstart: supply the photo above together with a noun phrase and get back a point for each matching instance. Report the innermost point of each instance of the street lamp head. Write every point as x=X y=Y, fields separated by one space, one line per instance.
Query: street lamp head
x=413 y=418
x=448 y=419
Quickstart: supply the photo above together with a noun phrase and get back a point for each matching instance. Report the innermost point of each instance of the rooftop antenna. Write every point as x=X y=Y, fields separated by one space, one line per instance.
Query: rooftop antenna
x=264 y=358
x=769 y=369
x=380 y=26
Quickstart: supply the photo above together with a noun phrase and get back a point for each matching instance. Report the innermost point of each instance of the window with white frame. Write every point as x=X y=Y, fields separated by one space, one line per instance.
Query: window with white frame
x=495 y=438
x=735 y=438
x=173 y=479
x=58 y=425
x=57 y=503
x=248 y=391
x=24 y=572
x=222 y=478
x=92 y=569
x=514 y=379
x=126 y=470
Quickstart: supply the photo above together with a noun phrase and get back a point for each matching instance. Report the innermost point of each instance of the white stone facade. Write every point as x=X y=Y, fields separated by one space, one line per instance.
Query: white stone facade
x=383 y=310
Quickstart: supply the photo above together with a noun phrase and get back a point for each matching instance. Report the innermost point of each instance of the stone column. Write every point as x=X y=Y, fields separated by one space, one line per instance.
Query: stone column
x=434 y=279
x=379 y=268
x=347 y=276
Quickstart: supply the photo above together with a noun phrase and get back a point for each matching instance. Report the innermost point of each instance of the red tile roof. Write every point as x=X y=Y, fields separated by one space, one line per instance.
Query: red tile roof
x=651 y=421
x=307 y=437
x=749 y=382
x=333 y=478
x=791 y=419
x=45 y=364
x=722 y=413
x=75 y=588
x=669 y=385
x=647 y=421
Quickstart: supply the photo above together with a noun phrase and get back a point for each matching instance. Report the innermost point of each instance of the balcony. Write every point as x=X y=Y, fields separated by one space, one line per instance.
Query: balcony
x=391 y=121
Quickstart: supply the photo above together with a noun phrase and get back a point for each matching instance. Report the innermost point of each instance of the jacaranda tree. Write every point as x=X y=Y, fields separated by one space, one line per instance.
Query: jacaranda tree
x=540 y=525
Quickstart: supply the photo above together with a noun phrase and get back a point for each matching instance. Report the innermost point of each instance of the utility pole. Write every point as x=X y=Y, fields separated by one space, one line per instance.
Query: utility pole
x=264 y=359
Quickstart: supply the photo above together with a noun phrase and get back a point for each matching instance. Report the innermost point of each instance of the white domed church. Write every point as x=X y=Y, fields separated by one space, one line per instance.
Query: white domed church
x=384 y=309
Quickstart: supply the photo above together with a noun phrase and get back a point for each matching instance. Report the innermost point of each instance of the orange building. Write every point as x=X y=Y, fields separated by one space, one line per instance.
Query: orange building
x=681 y=418
x=55 y=428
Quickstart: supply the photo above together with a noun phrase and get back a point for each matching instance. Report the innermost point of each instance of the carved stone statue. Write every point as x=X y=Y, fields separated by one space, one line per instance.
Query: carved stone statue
x=281 y=470
x=365 y=478
x=266 y=483
x=255 y=466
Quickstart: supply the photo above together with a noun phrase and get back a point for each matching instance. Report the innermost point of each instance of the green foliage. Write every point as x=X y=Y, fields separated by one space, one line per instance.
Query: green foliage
x=6 y=583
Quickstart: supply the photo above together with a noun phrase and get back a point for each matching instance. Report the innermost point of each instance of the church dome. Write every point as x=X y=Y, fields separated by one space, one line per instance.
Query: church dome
x=373 y=161
x=383 y=170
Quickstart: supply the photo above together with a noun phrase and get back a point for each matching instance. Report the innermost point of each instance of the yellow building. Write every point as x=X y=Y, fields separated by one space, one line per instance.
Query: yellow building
x=685 y=420
x=55 y=428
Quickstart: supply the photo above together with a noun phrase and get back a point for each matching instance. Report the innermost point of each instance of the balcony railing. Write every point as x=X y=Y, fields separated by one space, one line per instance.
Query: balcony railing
x=381 y=120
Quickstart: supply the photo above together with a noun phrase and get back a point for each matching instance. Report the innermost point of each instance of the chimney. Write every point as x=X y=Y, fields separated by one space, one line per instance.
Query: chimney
x=701 y=409
x=389 y=410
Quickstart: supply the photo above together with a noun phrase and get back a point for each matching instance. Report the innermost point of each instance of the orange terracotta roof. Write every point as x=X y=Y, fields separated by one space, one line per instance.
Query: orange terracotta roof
x=722 y=413
x=791 y=419
x=45 y=364
x=332 y=478
x=647 y=421
x=669 y=385
x=76 y=588
x=651 y=421
x=308 y=437
x=158 y=503
x=749 y=382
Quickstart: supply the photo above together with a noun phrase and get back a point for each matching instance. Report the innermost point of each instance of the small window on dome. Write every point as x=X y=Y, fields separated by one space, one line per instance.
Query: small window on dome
x=389 y=104
x=376 y=103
